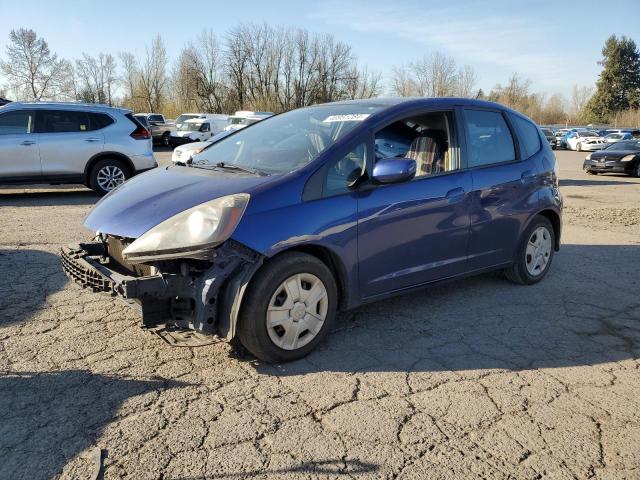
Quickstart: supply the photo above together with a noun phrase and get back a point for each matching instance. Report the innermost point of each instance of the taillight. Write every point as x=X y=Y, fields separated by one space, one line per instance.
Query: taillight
x=140 y=133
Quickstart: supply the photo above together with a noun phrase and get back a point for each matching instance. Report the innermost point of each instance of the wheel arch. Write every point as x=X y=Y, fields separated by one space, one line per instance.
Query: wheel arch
x=554 y=218
x=104 y=155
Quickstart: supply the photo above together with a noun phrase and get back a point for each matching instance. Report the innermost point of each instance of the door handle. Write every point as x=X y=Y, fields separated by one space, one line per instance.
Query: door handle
x=92 y=139
x=28 y=142
x=527 y=177
x=455 y=195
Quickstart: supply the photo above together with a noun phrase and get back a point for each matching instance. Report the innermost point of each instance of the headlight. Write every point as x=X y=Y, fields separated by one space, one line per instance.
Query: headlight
x=588 y=157
x=628 y=158
x=190 y=233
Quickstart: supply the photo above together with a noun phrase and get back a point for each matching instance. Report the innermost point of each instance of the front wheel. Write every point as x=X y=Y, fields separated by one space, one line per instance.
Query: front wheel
x=288 y=308
x=107 y=174
x=534 y=254
x=166 y=140
x=579 y=147
x=637 y=171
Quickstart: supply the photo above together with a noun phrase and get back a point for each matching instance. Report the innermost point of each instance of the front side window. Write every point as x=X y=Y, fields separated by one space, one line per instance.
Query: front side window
x=156 y=118
x=61 y=121
x=424 y=138
x=17 y=122
x=287 y=142
x=528 y=134
x=489 y=138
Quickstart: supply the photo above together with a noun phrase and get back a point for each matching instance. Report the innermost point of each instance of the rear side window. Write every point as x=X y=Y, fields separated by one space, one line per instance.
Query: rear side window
x=528 y=135
x=16 y=123
x=489 y=138
x=62 y=121
x=99 y=120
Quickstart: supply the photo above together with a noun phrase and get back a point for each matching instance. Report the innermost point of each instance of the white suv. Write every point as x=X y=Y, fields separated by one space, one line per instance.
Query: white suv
x=50 y=142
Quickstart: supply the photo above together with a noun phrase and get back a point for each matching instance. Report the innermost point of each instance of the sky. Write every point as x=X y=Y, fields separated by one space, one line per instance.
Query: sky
x=554 y=44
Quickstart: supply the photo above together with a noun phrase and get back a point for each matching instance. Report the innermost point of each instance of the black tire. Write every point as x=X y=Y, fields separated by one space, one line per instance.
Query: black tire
x=591 y=172
x=518 y=272
x=166 y=139
x=579 y=147
x=636 y=172
x=94 y=182
x=252 y=325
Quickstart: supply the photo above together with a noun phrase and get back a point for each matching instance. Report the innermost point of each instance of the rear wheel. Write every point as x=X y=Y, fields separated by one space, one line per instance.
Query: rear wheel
x=107 y=174
x=288 y=308
x=534 y=254
x=637 y=171
x=166 y=140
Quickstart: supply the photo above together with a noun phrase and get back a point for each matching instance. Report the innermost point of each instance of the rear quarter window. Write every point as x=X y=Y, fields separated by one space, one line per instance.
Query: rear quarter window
x=528 y=134
x=99 y=120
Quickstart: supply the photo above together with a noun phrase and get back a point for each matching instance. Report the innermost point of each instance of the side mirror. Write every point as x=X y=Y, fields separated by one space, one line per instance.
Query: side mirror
x=394 y=170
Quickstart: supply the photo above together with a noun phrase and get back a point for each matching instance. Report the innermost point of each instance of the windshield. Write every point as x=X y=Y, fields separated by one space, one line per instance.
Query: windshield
x=286 y=142
x=547 y=132
x=235 y=120
x=624 y=146
x=183 y=118
x=189 y=127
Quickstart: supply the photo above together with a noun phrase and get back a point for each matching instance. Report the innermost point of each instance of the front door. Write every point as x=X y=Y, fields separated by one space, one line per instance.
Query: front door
x=19 y=155
x=415 y=232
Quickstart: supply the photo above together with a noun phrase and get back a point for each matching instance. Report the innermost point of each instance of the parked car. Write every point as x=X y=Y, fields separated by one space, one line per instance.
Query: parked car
x=561 y=137
x=161 y=128
x=585 y=140
x=550 y=136
x=617 y=137
x=281 y=224
x=185 y=153
x=198 y=129
x=244 y=118
x=619 y=157
x=55 y=143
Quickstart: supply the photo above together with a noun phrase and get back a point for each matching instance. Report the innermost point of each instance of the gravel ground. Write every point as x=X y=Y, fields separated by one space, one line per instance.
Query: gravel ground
x=475 y=379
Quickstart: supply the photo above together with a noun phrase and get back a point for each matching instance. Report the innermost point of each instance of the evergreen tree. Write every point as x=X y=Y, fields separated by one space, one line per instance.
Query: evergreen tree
x=618 y=87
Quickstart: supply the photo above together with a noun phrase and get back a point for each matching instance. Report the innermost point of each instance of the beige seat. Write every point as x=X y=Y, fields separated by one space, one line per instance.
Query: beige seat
x=426 y=150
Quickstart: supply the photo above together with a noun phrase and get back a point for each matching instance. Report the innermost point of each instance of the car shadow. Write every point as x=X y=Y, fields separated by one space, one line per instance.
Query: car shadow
x=44 y=426
x=573 y=182
x=28 y=277
x=49 y=197
x=486 y=323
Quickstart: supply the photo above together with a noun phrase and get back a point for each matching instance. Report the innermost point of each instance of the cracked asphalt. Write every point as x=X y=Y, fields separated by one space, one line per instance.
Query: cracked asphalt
x=474 y=379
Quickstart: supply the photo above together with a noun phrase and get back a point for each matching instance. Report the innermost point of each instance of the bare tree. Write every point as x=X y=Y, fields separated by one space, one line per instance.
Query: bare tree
x=465 y=82
x=153 y=76
x=434 y=75
x=32 y=70
x=97 y=77
x=580 y=95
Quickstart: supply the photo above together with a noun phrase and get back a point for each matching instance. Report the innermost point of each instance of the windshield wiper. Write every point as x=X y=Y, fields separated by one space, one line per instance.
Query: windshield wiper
x=227 y=166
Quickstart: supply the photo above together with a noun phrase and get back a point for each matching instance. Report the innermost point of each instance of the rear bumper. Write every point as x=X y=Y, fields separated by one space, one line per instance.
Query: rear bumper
x=205 y=301
x=144 y=162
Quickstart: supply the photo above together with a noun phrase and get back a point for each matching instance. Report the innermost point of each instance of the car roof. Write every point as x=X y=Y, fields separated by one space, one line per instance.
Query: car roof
x=96 y=107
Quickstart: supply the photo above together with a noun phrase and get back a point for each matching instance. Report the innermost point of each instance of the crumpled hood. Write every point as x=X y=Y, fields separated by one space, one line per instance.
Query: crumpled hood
x=152 y=197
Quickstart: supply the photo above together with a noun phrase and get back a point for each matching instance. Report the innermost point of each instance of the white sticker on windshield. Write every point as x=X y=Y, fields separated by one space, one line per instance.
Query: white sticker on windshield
x=353 y=117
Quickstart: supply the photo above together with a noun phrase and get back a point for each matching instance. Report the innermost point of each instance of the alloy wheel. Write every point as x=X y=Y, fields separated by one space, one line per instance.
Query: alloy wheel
x=297 y=310
x=109 y=177
x=538 y=251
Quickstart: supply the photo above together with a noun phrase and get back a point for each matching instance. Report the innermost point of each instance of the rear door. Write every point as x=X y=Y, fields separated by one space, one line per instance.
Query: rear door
x=67 y=140
x=504 y=186
x=19 y=156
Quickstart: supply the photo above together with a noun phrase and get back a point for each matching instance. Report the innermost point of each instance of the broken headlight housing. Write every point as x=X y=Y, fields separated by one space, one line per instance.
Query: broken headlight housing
x=191 y=233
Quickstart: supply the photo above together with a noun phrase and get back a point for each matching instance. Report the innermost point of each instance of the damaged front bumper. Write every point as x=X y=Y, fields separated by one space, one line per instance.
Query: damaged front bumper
x=205 y=299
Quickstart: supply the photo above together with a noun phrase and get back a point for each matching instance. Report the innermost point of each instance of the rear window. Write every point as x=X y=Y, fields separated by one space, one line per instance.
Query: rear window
x=62 y=121
x=489 y=138
x=528 y=134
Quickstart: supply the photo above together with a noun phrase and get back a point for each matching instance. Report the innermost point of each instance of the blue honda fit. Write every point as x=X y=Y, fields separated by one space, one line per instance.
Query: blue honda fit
x=272 y=229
